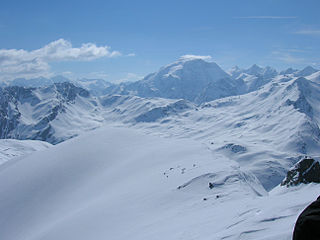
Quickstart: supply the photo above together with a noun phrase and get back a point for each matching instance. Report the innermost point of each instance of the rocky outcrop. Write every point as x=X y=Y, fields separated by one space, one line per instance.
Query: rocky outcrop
x=305 y=171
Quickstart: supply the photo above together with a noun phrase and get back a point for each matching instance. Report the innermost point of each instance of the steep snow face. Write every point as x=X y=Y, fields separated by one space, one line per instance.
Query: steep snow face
x=120 y=184
x=41 y=113
x=253 y=77
x=315 y=77
x=188 y=78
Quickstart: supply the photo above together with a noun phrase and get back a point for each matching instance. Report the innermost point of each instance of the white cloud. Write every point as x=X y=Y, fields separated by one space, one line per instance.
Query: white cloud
x=266 y=17
x=131 y=55
x=191 y=57
x=21 y=63
x=96 y=75
x=308 y=32
x=288 y=57
x=130 y=77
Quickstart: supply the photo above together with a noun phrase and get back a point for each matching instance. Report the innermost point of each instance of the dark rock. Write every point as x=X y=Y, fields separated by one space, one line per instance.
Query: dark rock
x=305 y=171
x=235 y=148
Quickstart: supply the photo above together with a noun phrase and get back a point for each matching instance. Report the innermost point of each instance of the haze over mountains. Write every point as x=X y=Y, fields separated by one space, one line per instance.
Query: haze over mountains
x=192 y=78
x=240 y=130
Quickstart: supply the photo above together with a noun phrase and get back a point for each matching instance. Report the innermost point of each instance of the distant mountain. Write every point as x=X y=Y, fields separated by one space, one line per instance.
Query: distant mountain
x=190 y=78
x=306 y=71
x=63 y=110
x=264 y=129
x=288 y=71
x=227 y=139
x=36 y=113
x=253 y=77
x=96 y=87
x=197 y=80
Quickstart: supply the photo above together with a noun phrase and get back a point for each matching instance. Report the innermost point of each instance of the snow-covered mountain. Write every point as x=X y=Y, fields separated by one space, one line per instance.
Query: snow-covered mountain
x=288 y=71
x=170 y=167
x=253 y=77
x=306 y=71
x=191 y=78
x=266 y=131
x=198 y=80
x=45 y=113
x=96 y=87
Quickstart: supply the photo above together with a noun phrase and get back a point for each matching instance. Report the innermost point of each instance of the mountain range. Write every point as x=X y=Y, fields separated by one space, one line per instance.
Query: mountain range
x=190 y=140
x=191 y=78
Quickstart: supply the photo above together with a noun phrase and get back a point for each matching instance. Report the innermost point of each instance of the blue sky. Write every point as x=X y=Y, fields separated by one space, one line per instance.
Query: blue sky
x=125 y=40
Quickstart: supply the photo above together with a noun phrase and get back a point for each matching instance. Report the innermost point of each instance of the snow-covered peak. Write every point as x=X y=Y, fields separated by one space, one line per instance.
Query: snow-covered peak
x=269 y=72
x=188 y=78
x=257 y=71
x=315 y=77
x=306 y=71
x=288 y=71
x=188 y=65
x=254 y=70
x=235 y=71
x=189 y=57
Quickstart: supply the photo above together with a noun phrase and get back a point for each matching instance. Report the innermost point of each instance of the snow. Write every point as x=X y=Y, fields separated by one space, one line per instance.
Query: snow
x=104 y=184
x=306 y=71
x=273 y=125
x=11 y=149
x=189 y=57
x=156 y=168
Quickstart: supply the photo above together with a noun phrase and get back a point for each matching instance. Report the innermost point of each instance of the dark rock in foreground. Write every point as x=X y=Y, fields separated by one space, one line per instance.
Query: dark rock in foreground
x=305 y=171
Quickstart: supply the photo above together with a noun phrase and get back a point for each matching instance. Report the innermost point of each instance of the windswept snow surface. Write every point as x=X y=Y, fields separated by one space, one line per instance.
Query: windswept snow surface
x=265 y=131
x=11 y=148
x=116 y=183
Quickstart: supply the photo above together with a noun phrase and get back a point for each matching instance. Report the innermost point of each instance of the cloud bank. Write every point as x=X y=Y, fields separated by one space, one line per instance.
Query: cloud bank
x=21 y=63
x=267 y=17
x=309 y=32
x=192 y=57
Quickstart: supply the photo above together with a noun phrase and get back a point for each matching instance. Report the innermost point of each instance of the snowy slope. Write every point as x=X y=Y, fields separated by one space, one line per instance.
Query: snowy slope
x=265 y=131
x=119 y=184
x=52 y=114
x=171 y=168
x=12 y=148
